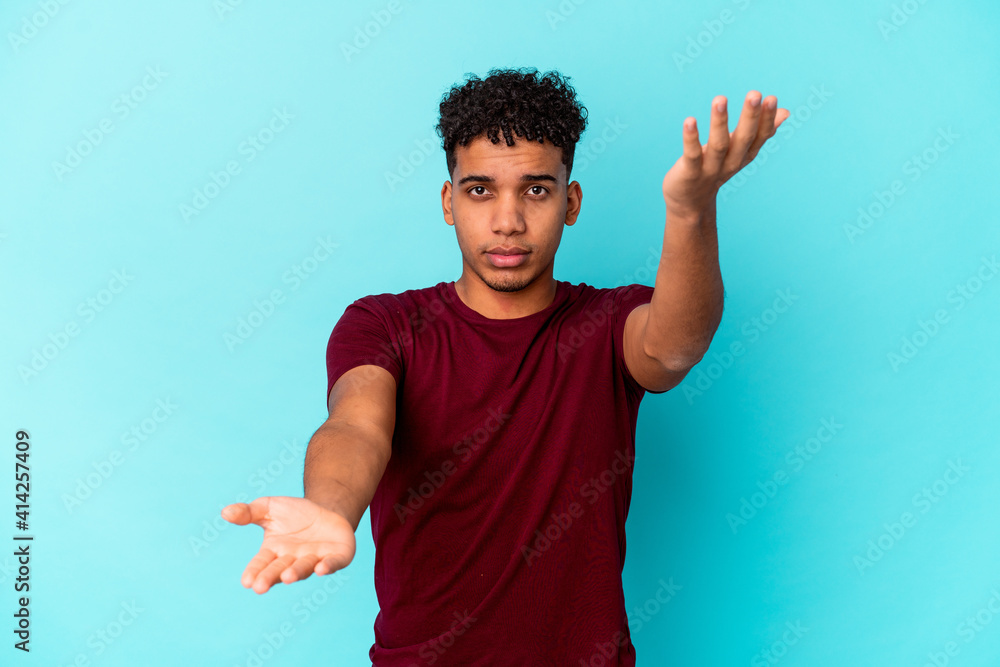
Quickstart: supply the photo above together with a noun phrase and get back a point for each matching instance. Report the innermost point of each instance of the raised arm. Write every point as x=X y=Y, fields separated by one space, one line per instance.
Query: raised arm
x=665 y=338
x=344 y=463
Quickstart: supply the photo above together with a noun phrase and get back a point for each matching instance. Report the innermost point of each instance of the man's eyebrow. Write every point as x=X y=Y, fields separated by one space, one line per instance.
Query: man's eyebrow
x=479 y=178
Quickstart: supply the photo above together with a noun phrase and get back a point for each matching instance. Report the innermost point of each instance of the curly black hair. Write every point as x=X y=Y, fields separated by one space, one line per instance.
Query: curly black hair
x=512 y=101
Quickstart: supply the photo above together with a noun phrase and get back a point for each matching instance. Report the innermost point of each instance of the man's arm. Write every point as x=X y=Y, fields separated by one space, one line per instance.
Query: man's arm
x=665 y=338
x=349 y=452
x=344 y=463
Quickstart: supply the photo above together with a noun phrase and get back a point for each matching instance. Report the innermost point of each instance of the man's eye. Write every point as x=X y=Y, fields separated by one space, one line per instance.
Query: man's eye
x=477 y=187
x=539 y=187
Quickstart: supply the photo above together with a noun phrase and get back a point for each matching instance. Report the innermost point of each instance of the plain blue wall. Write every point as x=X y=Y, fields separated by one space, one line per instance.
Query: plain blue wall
x=873 y=86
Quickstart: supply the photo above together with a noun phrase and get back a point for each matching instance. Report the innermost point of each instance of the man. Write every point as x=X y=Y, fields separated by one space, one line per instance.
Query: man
x=489 y=422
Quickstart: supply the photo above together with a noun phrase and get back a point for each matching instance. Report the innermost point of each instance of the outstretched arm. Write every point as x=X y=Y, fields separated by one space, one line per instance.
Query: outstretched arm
x=348 y=454
x=665 y=338
x=344 y=464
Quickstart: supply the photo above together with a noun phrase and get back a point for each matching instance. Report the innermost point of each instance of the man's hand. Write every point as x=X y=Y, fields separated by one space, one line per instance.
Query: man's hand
x=300 y=538
x=690 y=186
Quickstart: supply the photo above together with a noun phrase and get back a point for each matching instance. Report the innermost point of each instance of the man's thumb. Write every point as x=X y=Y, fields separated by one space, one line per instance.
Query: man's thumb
x=243 y=513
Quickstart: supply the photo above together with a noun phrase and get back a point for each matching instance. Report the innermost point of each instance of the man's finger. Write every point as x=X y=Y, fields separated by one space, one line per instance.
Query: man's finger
x=243 y=513
x=768 y=113
x=718 y=136
x=330 y=564
x=745 y=133
x=766 y=127
x=270 y=574
x=692 y=144
x=300 y=569
x=256 y=564
x=238 y=513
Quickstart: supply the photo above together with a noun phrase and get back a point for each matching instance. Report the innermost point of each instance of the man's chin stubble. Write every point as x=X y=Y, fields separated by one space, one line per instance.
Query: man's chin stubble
x=506 y=284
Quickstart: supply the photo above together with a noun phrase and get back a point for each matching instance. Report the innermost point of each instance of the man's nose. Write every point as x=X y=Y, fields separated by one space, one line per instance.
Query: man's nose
x=508 y=217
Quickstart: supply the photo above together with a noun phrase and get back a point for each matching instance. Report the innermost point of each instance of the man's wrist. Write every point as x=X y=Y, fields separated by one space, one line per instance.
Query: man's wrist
x=331 y=499
x=691 y=216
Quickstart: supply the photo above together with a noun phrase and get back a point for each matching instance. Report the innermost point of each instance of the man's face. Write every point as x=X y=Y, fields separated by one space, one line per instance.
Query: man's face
x=511 y=198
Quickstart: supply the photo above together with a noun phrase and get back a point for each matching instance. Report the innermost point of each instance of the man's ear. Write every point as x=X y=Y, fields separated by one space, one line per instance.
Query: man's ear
x=574 y=200
x=446 y=203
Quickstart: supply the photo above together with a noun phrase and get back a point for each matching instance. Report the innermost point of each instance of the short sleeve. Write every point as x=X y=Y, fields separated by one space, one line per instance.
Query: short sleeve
x=363 y=335
x=624 y=300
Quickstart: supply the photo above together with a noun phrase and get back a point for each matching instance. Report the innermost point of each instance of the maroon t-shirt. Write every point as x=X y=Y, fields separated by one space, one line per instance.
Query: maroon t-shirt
x=499 y=523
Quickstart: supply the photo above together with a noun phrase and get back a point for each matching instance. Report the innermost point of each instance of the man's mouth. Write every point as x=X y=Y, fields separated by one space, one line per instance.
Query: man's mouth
x=503 y=258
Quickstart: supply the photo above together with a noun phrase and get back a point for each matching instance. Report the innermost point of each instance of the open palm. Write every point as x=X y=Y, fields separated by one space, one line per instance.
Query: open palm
x=300 y=538
x=691 y=184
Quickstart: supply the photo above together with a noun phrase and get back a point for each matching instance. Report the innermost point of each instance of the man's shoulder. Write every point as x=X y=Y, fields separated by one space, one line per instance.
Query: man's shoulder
x=407 y=300
x=583 y=293
x=415 y=294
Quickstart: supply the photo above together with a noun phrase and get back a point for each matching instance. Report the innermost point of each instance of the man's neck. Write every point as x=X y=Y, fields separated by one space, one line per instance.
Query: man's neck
x=495 y=305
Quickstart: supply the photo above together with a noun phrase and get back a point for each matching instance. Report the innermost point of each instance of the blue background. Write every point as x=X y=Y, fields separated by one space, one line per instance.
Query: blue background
x=127 y=529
